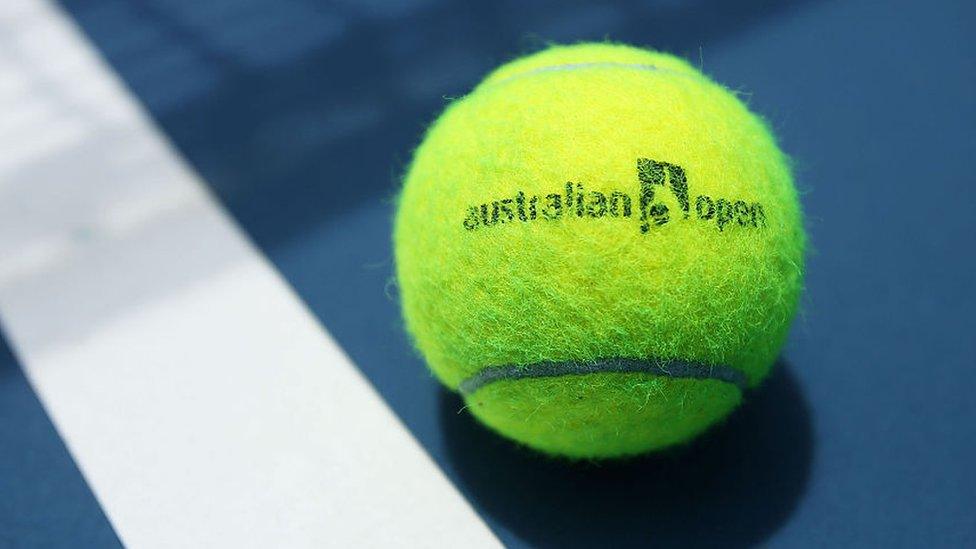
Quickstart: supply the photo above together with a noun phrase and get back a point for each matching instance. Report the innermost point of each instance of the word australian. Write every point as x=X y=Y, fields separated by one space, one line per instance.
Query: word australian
x=577 y=202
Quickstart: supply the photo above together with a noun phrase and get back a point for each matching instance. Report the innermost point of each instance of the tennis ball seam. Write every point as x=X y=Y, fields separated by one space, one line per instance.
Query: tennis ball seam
x=644 y=67
x=665 y=368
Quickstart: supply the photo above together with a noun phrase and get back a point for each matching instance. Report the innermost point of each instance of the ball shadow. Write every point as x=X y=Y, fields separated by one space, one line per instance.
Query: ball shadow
x=734 y=486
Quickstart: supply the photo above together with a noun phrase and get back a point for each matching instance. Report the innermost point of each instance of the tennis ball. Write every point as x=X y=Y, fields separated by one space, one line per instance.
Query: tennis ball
x=600 y=249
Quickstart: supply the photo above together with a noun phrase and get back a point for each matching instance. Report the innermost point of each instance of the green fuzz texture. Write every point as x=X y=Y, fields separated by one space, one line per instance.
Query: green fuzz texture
x=602 y=415
x=599 y=201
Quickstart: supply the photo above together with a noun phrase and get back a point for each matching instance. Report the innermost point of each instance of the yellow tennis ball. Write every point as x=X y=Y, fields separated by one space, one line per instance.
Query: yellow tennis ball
x=600 y=248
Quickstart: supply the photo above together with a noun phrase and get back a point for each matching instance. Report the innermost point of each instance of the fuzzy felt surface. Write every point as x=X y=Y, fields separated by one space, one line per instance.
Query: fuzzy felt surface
x=602 y=415
x=586 y=54
x=598 y=201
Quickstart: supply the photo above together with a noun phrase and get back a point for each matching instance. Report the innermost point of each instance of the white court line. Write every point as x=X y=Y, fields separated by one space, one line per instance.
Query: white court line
x=203 y=403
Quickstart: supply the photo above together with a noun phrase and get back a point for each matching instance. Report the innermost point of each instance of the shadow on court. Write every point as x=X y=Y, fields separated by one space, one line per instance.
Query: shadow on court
x=733 y=487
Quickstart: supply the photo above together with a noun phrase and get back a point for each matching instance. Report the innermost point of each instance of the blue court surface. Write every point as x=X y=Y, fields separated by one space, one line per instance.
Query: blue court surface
x=201 y=338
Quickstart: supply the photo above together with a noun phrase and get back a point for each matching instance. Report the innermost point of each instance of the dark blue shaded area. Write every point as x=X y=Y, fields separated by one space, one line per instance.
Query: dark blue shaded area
x=731 y=488
x=44 y=500
x=301 y=116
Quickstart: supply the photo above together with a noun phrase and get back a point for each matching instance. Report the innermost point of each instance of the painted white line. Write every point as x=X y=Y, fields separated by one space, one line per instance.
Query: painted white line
x=201 y=400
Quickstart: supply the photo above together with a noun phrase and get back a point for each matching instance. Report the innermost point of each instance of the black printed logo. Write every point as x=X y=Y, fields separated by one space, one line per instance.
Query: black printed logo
x=654 y=178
